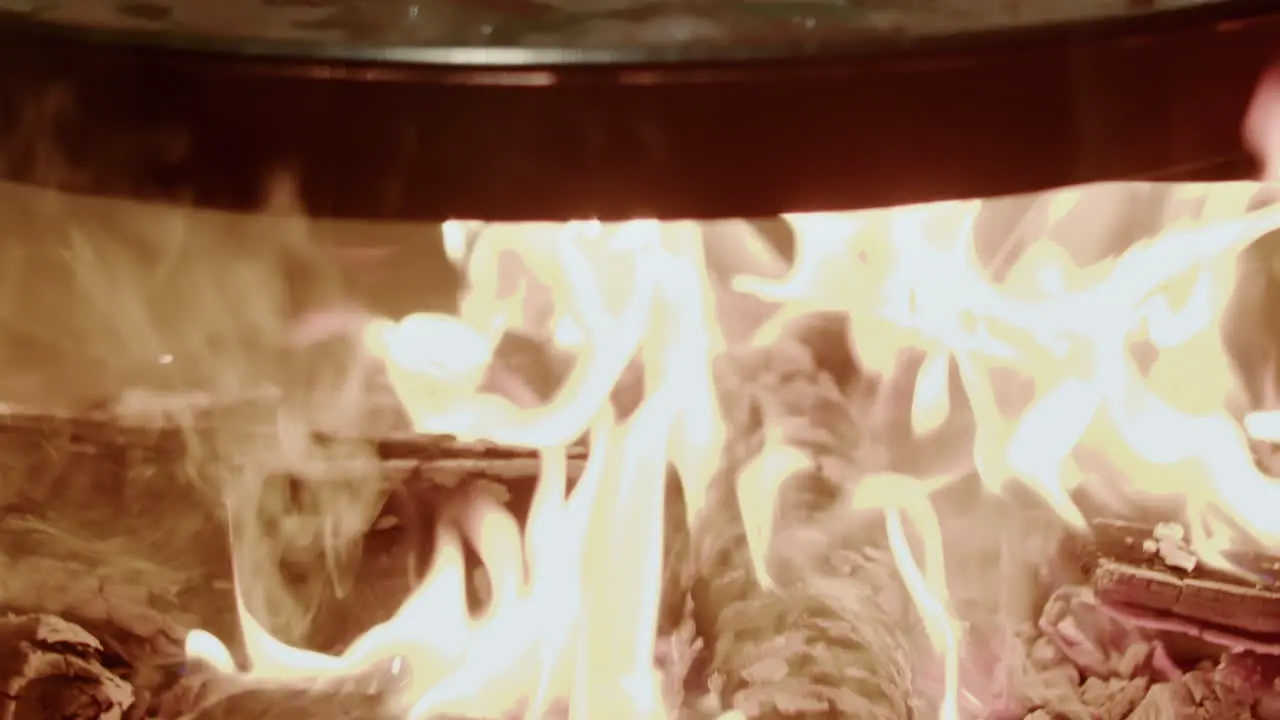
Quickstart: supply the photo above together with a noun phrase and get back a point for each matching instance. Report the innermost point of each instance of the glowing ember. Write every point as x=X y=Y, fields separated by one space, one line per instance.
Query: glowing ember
x=1129 y=392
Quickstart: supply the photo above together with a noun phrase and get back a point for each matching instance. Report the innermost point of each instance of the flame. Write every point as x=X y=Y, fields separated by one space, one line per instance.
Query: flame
x=574 y=609
x=1106 y=375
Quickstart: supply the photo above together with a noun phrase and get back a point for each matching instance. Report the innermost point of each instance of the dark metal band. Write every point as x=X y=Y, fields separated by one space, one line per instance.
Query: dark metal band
x=1160 y=95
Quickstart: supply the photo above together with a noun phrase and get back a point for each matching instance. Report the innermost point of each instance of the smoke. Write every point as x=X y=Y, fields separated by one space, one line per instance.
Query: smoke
x=169 y=315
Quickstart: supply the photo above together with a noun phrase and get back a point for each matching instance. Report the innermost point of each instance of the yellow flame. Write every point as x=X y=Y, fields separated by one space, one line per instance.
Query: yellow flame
x=1059 y=363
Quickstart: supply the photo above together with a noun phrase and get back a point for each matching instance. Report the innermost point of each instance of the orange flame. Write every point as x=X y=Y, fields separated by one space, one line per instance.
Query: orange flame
x=574 y=608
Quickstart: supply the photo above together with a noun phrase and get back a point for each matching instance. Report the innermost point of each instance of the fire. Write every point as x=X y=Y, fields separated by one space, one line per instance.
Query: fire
x=1107 y=377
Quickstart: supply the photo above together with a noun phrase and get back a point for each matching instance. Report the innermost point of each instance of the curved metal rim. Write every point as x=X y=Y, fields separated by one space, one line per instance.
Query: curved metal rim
x=506 y=56
x=966 y=116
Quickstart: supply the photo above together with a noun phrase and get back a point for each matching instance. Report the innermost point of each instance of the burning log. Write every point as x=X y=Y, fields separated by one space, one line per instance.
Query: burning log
x=51 y=668
x=404 y=459
x=829 y=637
x=204 y=695
x=75 y=488
x=1142 y=572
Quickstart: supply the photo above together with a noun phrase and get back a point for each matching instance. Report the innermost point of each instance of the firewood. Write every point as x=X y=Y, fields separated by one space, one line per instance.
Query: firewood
x=1131 y=573
x=50 y=668
x=206 y=694
x=409 y=458
x=103 y=431
x=829 y=638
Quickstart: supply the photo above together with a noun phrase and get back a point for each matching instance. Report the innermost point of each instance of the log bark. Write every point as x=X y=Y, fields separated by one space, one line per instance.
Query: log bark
x=205 y=694
x=828 y=639
x=441 y=459
x=1131 y=575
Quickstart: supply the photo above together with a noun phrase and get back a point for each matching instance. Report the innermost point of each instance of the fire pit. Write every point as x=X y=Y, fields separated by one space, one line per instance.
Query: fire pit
x=666 y=360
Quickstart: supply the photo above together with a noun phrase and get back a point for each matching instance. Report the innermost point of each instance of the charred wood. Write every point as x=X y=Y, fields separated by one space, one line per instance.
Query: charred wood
x=1134 y=573
x=50 y=668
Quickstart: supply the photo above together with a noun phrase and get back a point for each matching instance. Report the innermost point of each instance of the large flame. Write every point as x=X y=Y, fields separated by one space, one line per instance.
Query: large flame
x=1131 y=392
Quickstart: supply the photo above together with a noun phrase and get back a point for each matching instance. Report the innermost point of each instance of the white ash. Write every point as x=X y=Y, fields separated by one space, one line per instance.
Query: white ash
x=1168 y=541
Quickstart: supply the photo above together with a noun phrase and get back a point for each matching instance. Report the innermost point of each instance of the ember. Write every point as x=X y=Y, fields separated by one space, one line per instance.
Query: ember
x=938 y=466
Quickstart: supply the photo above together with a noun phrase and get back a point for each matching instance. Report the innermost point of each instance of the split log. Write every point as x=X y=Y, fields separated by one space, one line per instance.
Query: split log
x=442 y=459
x=1134 y=573
x=50 y=668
